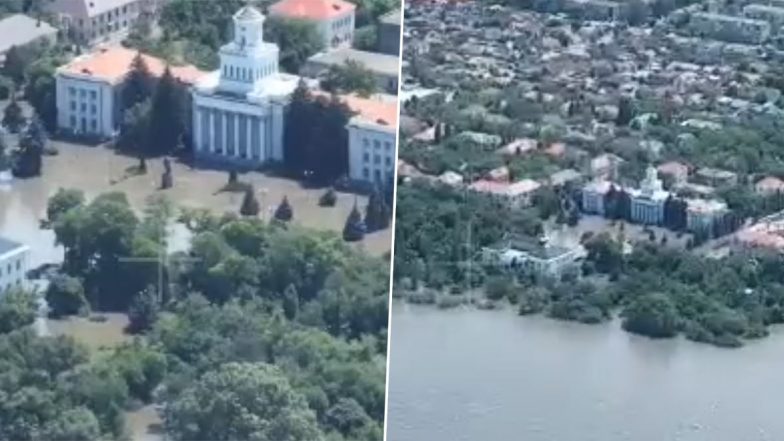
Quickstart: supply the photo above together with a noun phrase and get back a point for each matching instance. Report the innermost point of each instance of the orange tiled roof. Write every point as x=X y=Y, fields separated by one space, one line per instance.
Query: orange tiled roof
x=377 y=111
x=312 y=9
x=112 y=64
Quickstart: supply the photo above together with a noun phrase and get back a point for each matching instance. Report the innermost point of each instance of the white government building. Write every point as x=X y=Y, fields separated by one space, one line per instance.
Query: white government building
x=13 y=264
x=238 y=110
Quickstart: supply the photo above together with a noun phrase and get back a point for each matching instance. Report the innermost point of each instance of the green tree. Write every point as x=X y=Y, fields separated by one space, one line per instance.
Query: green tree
x=377 y=213
x=143 y=311
x=329 y=198
x=250 y=205
x=63 y=201
x=5 y=158
x=625 y=111
x=18 y=308
x=241 y=401
x=13 y=118
x=653 y=315
x=65 y=296
x=31 y=149
x=167 y=115
x=284 y=212
x=135 y=128
x=76 y=424
x=354 y=229
x=351 y=77
x=139 y=85
x=16 y=61
x=297 y=40
x=290 y=302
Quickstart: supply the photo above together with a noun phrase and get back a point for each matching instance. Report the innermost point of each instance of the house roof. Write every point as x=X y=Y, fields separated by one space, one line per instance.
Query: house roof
x=20 y=29
x=503 y=189
x=378 y=63
x=673 y=168
x=113 y=63
x=770 y=184
x=312 y=9
x=7 y=245
x=374 y=111
x=85 y=8
x=248 y=13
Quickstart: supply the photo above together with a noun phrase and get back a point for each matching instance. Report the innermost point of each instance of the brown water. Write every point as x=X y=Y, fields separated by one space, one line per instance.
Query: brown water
x=468 y=375
x=95 y=170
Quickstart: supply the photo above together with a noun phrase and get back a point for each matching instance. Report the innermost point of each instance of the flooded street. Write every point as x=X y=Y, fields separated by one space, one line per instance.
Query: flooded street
x=95 y=170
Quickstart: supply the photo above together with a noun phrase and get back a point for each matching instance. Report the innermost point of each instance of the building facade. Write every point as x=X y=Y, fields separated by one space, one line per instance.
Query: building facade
x=389 y=33
x=95 y=21
x=371 y=141
x=238 y=110
x=647 y=202
x=593 y=196
x=13 y=264
x=702 y=214
x=334 y=19
x=89 y=89
x=538 y=258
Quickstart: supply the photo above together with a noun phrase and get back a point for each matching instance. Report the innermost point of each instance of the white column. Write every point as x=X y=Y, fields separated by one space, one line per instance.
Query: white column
x=213 y=134
x=262 y=141
x=197 y=127
x=249 y=138
x=225 y=122
x=236 y=135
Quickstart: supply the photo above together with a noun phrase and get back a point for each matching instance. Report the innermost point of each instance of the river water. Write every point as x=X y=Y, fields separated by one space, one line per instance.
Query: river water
x=469 y=375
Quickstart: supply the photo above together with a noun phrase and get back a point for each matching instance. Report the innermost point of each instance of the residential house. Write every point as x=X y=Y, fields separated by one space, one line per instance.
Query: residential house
x=769 y=185
x=534 y=257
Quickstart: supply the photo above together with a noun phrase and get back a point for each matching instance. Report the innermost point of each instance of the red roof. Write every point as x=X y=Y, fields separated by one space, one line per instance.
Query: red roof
x=112 y=64
x=312 y=9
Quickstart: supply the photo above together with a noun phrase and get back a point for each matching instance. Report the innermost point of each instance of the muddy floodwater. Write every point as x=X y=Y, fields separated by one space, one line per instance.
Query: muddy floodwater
x=95 y=170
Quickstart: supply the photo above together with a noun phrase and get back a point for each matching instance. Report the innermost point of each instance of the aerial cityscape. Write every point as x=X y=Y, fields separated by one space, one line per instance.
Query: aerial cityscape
x=589 y=227
x=391 y=220
x=195 y=218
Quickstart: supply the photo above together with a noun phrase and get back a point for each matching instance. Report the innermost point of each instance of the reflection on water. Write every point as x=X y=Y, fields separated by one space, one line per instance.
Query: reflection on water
x=467 y=375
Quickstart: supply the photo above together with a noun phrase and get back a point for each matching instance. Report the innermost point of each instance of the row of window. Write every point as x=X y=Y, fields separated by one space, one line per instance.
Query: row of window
x=247 y=74
x=377 y=159
x=107 y=16
x=378 y=176
x=83 y=127
x=345 y=21
x=82 y=93
x=9 y=268
x=376 y=144
x=83 y=108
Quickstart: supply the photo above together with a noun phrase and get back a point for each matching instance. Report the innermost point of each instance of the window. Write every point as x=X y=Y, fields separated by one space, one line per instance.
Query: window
x=93 y=109
x=82 y=93
x=94 y=125
x=366 y=172
x=83 y=107
x=365 y=142
x=376 y=159
x=73 y=122
x=72 y=91
x=388 y=161
x=73 y=106
x=388 y=145
x=18 y=265
x=366 y=157
x=93 y=95
x=376 y=144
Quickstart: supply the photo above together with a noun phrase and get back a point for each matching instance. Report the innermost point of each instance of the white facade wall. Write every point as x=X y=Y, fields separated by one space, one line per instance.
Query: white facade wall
x=85 y=106
x=13 y=267
x=338 y=31
x=371 y=152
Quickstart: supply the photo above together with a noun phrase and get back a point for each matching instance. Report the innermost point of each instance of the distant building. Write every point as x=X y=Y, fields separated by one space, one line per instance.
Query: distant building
x=385 y=68
x=372 y=134
x=593 y=196
x=536 y=257
x=605 y=166
x=88 y=89
x=594 y=9
x=389 y=33
x=334 y=19
x=676 y=171
x=566 y=176
x=716 y=178
x=772 y=14
x=95 y=21
x=729 y=28
x=769 y=185
x=20 y=30
x=13 y=264
x=517 y=195
x=702 y=214
x=648 y=201
x=238 y=110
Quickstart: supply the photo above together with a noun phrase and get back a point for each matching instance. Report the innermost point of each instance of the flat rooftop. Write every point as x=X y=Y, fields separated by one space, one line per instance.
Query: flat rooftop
x=7 y=245
x=531 y=246
x=20 y=29
x=379 y=63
